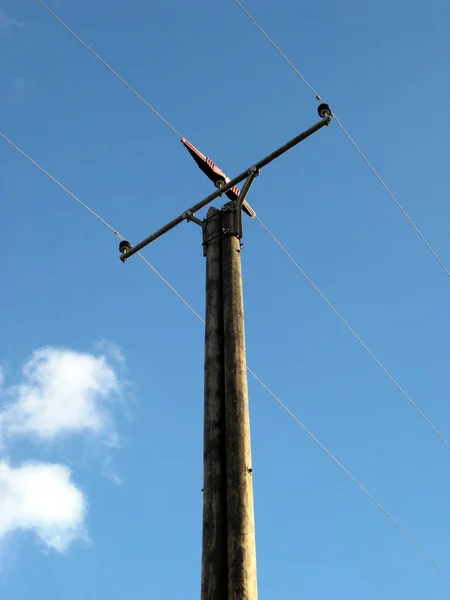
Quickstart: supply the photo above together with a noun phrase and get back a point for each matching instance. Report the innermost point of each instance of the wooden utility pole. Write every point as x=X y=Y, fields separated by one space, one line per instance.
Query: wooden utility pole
x=229 y=549
x=242 y=583
x=214 y=538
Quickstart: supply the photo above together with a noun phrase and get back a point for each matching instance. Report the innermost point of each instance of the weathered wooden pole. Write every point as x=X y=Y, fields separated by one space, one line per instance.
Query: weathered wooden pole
x=228 y=544
x=214 y=542
x=242 y=580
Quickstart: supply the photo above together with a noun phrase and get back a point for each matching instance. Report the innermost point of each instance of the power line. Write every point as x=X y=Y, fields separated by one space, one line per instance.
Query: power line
x=284 y=250
x=60 y=184
x=97 y=216
x=355 y=335
x=298 y=73
x=105 y=64
x=264 y=226
x=341 y=466
x=381 y=180
x=172 y=289
x=346 y=133
x=394 y=381
x=353 y=332
x=278 y=49
x=283 y=406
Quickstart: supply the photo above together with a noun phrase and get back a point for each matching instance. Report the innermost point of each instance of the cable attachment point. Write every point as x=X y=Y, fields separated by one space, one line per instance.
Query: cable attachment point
x=124 y=247
x=324 y=111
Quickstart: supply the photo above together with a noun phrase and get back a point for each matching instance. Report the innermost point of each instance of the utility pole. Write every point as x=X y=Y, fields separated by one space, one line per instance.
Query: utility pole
x=229 y=551
x=242 y=583
x=228 y=539
x=214 y=539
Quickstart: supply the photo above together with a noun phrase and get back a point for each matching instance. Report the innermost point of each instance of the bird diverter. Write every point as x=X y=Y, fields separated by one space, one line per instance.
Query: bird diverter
x=216 y=175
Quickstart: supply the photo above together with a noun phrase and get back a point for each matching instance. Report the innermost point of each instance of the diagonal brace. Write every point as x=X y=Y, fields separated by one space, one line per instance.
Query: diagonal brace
x=252 y=175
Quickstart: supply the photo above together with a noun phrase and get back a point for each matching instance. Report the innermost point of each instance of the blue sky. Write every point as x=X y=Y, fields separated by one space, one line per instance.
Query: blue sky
x=117 y=440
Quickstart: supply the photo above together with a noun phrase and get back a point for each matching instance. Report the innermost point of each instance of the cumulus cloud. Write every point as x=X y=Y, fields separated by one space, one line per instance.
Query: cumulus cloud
x=62 y=392
x=42 y=498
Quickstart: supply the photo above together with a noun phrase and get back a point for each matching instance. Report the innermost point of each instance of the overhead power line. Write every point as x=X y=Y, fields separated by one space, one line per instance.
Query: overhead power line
x=383 y=183
x=379 y=363
x=353 y=332
x=346 y=133
x=272 y=394
x=105 y=64
x=278 y=49
x=98 y=217
x=60 y=184
x=346 y=471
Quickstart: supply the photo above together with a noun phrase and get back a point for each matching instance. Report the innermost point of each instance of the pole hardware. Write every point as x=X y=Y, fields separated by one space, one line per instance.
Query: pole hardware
x=126 y=251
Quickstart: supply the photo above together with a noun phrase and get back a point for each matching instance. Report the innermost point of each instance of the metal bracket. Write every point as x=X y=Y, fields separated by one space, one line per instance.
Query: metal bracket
x=236 y=205
x=189 y=216
x=205 y=241
x=253 y=173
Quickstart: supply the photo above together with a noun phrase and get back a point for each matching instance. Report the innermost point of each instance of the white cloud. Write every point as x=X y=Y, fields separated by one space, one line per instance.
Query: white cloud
x=62 y=392
x=109 y=471
x=42 y=498
x=7 y=22
x=112 y=351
